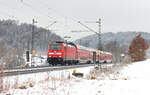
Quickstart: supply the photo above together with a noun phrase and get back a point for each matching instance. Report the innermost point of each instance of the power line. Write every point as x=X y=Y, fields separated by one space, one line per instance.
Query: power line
x=39 y=12
x=99 y=32
x=87 y=27
x=32 y=46
x=35 y=10
x=57 y=12
x=25 y=4
x=6 y=13
x=51 y=24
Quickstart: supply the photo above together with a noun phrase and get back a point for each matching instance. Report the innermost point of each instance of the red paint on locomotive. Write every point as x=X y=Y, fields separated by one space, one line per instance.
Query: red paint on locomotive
x=69 y=53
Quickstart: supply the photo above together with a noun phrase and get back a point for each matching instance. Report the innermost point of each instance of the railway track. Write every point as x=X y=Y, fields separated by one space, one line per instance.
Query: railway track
x=18 y=71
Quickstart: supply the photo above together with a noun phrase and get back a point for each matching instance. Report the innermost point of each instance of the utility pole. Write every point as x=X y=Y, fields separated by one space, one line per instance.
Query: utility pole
x=32 y=46
x=99 y=36
x=99 y=42
x=99 y=45
x=99 y=33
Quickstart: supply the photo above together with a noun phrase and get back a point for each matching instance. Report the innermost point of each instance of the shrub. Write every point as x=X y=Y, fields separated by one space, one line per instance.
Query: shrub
x=137 y=49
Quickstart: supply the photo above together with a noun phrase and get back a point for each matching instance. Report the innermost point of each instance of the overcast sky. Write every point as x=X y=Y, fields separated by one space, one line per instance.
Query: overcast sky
x=116 y=15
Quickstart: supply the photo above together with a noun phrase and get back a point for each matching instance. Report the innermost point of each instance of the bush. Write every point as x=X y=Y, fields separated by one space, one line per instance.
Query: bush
x=1 y=78
x=137 y=49
x=93 y=77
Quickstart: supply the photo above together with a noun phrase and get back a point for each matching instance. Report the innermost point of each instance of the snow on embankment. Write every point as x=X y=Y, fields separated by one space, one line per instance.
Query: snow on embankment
x=137 y=70
x=119 y=79
x=28 y=80
x=136 y=81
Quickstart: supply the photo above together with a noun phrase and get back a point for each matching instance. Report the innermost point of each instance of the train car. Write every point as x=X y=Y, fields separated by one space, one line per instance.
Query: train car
x=108 y=57
x=105 y=57
x=85 y=55
x=68 y=53
x=62 y=53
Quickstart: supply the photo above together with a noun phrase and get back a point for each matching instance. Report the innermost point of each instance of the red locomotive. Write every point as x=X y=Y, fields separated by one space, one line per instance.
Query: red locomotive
x=69 y=53
x=62 y=53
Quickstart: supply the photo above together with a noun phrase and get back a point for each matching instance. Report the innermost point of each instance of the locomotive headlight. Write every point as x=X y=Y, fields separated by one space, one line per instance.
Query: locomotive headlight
x=59 y=53
x=51 y=53
x=59 y=56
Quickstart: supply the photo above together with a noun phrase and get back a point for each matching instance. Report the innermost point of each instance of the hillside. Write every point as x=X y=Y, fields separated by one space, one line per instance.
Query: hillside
x=17 y=35
x=121 y=38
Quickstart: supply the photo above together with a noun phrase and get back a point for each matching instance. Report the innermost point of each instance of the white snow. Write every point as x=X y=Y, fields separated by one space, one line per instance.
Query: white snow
x=132 y=79
x=39 y=60
x=138 y=70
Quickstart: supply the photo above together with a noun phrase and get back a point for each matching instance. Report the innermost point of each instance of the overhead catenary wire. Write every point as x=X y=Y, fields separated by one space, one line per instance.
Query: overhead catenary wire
x=35 y=10
x=46 y=14
x=51 y=24
x=66 y=17
x=17 y=10
x=8 y=15
x=3 y=13
x=59 y=14
x=52 y=9
x=46 y=6
x=56 y=13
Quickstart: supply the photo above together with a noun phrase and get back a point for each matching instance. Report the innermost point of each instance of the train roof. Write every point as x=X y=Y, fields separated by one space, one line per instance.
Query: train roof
x=83 y=47
x=104 y=52
x=69 y=43
x=86 y=48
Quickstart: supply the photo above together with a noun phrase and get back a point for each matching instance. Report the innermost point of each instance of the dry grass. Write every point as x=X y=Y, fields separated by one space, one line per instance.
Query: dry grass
x=54 y=83
x=31 y=85
x=60 y=81
x=127 y=60
x=1 y=78
x=8 y=94
x=106 y=72
x=46 y=79
x=93 y=77
x=23 y=87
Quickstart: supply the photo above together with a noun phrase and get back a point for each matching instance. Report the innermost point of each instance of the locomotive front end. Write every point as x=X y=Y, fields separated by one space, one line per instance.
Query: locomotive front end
x=55 y=53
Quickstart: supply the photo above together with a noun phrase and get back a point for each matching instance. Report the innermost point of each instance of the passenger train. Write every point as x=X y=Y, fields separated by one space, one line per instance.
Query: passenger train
x=69 y=53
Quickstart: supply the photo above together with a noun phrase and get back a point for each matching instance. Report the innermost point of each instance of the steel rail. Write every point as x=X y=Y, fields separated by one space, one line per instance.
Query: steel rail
x=14 y=72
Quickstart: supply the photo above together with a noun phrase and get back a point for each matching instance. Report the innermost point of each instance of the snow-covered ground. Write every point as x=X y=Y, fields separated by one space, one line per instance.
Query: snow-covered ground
x=39 y=60
x=131 y=79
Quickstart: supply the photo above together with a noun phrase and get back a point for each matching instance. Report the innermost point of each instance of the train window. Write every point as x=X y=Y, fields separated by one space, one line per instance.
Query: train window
x=55 y=47
x=70 y=46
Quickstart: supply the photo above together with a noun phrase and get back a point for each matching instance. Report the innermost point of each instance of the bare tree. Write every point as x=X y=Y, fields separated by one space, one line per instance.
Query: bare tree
x=115 y=49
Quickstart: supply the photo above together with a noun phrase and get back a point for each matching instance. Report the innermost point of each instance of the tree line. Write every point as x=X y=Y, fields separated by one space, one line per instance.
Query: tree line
x=16 y=38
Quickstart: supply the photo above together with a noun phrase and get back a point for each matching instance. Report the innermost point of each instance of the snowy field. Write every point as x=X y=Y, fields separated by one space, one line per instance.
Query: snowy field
x=132 y=79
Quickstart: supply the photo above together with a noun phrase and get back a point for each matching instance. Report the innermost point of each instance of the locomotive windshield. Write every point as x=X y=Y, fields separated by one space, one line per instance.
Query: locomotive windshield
x=55 y=47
